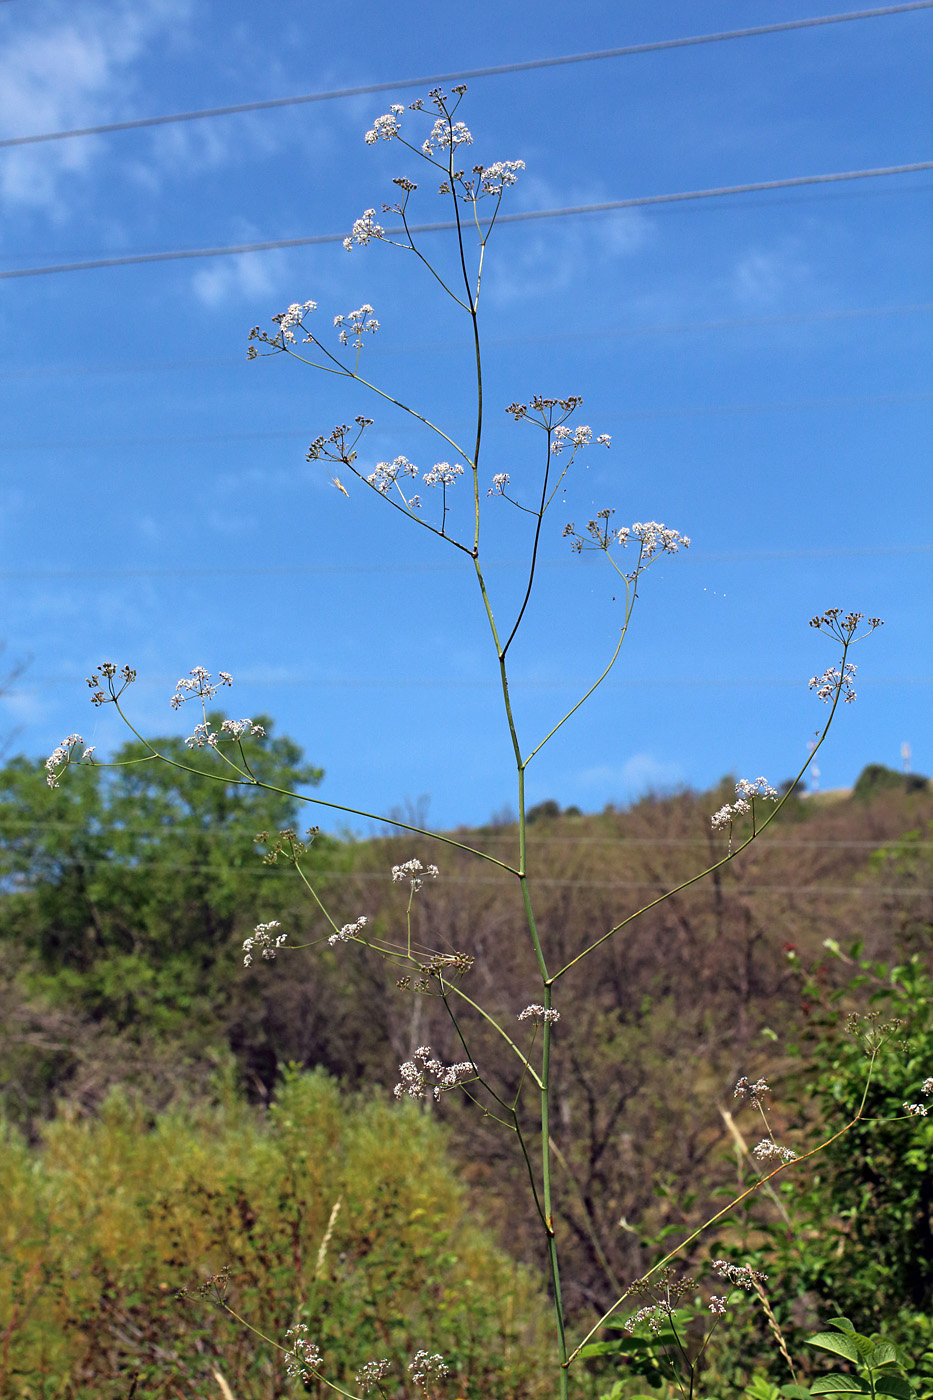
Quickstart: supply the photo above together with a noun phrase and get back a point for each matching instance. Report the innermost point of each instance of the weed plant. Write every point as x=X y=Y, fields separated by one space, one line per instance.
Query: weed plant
x=450 y=500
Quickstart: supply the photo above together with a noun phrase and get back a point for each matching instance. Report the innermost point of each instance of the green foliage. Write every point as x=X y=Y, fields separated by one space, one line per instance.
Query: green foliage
x=124 y=885
x=877 y=778
x=340 y=1213
x=863 y=1232
x=879 y=1365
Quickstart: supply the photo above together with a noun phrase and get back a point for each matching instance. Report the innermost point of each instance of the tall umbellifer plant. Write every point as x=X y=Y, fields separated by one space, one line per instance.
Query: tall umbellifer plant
x=450 y=500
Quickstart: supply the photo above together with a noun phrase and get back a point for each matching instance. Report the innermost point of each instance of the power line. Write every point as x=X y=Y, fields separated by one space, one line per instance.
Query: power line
x=436 y=683
x=856 y=891
x=497 y=70
x=608 y=206
x=425 y=566
x=792 y=318
x=301 y=434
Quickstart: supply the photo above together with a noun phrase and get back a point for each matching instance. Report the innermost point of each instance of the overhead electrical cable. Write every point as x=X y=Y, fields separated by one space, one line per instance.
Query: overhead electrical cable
x=497 y=70
x=425 y=566
x=790 y=318
x=521 y=216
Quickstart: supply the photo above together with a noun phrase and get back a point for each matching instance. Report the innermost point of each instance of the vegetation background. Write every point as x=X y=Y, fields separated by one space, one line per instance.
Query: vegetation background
x=169 y=1113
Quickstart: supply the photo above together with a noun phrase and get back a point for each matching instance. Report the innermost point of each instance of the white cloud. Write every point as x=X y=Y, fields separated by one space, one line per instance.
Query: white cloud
x=640 y=773
x=763 y=276
x=68 y=66
x=558 y=252
x=242 y=277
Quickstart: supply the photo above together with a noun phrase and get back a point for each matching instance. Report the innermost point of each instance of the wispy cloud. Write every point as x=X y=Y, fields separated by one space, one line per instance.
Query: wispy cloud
x=639 y=774
x=558 y=253
x=763 y=276
x=66 y=66
x=242 y=278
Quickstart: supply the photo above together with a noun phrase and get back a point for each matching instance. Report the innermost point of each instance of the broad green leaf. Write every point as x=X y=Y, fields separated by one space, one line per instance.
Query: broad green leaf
x=840 y=1346
x=795 y=1392
x=842 y=1323
x=893 y=1385
x=838 y=1384
x=883 y=1353
x=603 y=1348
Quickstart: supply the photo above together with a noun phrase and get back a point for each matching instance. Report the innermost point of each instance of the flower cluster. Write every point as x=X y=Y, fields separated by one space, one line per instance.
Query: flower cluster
x=424 y=1074
x=304 y=1357
x=717 y=1306
x=753 y=1092
x=387 y=473
x=499 y=482
x=653 y=538
x=539 y=1014
x=665 y=1290
x=349 y=931
x=372 y=1373
x=578 y=437
x=198 y=683
x=843 y=628
x=235 y=729
x=739 y=1274
x=745 y=793
x=364 y=230
x=833 y=680
x=541 y=410
x=287 y=321
x=768 y=1149
x=59 y=759
x=656 y=538
x=336 y=448
x=108 y=670
x=443 y=474
x=920 y=1110
x=386 y=126
x=262 y=937
x=426 y=1367
x=415 y=872
x=446 y=135
x=356 y=323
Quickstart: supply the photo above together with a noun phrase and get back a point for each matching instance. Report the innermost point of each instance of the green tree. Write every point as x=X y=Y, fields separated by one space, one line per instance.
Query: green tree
x=124 y=887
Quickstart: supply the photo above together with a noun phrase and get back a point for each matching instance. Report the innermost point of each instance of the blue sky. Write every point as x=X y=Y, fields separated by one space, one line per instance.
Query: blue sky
x=761 y=362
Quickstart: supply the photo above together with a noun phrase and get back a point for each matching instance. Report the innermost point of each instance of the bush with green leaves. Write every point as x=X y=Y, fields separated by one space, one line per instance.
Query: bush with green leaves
x=338 y=1213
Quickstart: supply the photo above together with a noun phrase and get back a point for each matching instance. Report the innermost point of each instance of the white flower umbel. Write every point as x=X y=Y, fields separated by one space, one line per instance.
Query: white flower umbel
x=233 y=729
x=832 y=680
x=349 y=931
x=385 y=127
x=446 y=135
x=768 y=1149
x=415 y=872
x=426 y=1367
x=356 y=323
x=753 y=1092
x=59 y=759
x=538 y=1014
x=198 y=684
x=916 y=1110
x=372 y=1373
x=927 y=1086
x=264 y=939
x=746 y=790
x=739 y=1274
x=717 y=1306
x=387 y=473
x=303 y=1358
x=425 y=1075
x=364 y=230
x=443 y=474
